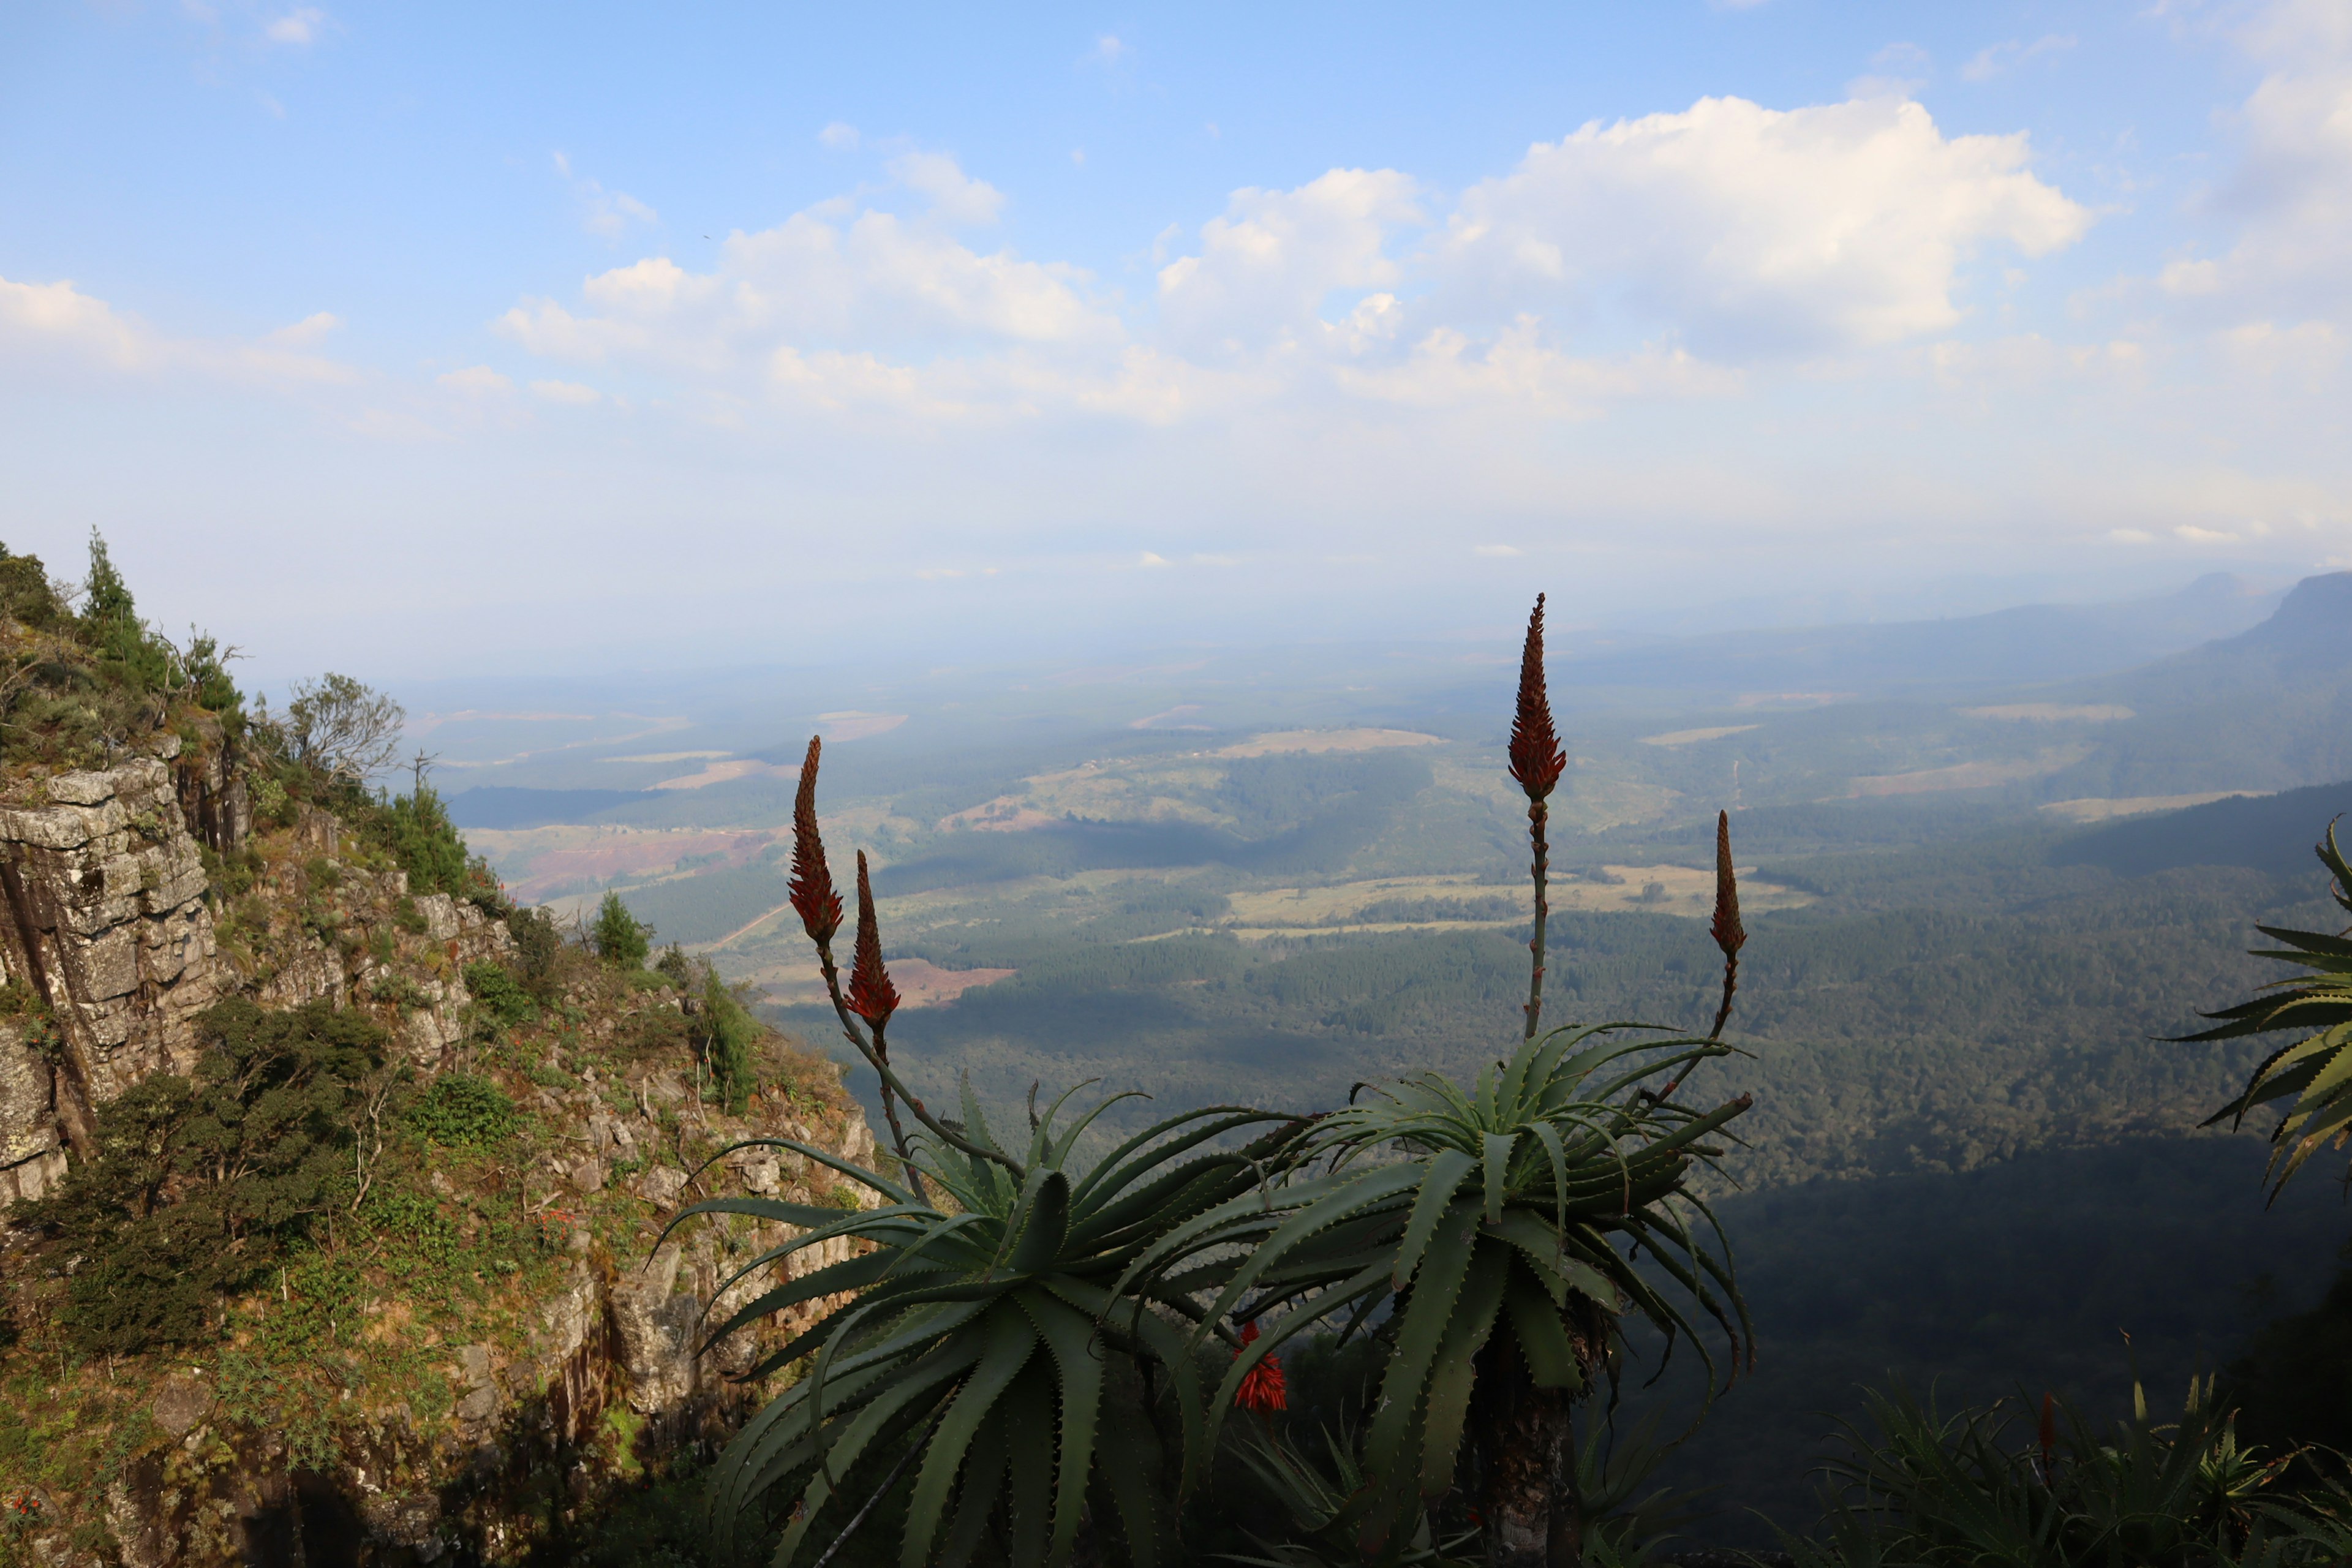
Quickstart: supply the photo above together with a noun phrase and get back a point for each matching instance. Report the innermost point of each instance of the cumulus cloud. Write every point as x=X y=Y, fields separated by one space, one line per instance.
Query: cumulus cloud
x=570 y=392
x=955 y=196
x=606 y=213
x=2291 y=192
x=1758 y=230
x=476 y=380
x=839 y=135
x=307 y=330
x=58 y=320
x=823 y=279
x=1265 y=268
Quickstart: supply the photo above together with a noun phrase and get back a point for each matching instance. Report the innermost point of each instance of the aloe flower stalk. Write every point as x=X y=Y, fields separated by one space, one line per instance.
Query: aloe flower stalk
x=818 y=903
x=871 y=996
x=1537 y=762
x=812 y=890
x=1728 y=934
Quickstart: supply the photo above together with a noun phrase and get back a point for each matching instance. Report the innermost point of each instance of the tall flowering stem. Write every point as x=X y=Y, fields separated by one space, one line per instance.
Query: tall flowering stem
x=1728 y=934
x=1537 y=762
x=818 y=903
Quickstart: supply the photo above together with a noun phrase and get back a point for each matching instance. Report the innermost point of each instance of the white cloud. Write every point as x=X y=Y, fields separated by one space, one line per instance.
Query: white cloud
x=307 y=330
x=476 y=380
x=1109 y=51
x=841 y=136
x=1151 y=559
x=1758 y=230
x=57 y=319
x=1266 y=267
x=2192 y=534
x=606 y=213
x=859 y=283
x=570 y=392
x=2131 y=536
x=2291 y=192
x=1990 y=62
x=299 y=26
x=956 y=197
x=1496 y=550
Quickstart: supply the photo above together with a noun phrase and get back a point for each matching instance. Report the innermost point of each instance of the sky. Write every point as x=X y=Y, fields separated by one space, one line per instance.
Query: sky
x=425 y=341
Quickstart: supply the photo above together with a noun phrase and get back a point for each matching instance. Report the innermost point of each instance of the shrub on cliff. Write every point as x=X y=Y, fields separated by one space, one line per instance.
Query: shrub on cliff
x=620 y=937
x=200 y=1183
x=77 y=687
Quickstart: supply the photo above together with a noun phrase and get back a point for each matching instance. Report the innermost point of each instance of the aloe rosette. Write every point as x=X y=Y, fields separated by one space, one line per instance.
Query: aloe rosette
x=2311 y=1079
x=1510 y=1216
x=988 y=1338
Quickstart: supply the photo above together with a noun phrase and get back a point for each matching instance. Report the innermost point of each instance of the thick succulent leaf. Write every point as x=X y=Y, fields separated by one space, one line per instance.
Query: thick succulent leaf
x=1079 y=1357
x=1496 y=1158
x=1040 y=1223
x=975 y=1119
x=983 y=1481
x=1471 y=1320
x=1447 y=1170
x=782 y=1250
x=852 y=1274
x=890 y=1189
x=1130 y=1473
x=1436 y=1291
x=922 y=1381
x=1041 y=1130
x=1150 y=1334
x=1378 y=1186
x=1029 y=1492
x=1543 y=1345
x=1132 y=1159
x=1011 y=1340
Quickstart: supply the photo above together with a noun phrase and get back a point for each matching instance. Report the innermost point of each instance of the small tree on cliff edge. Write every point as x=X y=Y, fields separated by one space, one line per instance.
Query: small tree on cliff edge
x=621 y=938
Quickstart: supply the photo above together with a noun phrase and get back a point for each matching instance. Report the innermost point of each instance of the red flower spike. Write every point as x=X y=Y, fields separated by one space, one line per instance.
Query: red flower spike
x=1729 y=934
x=812 y=895
x=871 y=996
x=1537 y=760
x=1262 y=1390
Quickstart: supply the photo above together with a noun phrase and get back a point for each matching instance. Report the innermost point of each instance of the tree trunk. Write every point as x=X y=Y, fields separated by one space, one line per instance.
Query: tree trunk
x=1527 y=1507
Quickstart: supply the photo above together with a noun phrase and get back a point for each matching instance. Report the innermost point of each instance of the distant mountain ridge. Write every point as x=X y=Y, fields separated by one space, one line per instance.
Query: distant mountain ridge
x=2269 y=708
x=2029 y=643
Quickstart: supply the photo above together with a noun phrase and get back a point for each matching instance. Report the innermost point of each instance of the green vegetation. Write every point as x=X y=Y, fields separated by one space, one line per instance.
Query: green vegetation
x=462 y=1110
x=620 y=938
x=2315 y=1073
x=415 y=831
x=730 y=1034
x=202 y=1183
x=500 y=1000
x=76 y=689
x=1952 y=1491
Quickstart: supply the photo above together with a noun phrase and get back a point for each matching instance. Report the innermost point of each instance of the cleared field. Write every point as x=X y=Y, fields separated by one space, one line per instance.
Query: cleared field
x=1329 y=741
x=2095 y=809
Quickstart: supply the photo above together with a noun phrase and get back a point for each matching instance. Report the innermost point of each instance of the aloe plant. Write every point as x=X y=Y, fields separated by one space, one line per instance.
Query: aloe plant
x=1002 y=1340
x=1500 y=1226
x=1931 y=1489
x=2313 y=1077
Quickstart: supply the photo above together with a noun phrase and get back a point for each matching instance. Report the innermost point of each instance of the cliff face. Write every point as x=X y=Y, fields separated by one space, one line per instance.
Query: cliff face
x=465 y=1375
x=105 y=926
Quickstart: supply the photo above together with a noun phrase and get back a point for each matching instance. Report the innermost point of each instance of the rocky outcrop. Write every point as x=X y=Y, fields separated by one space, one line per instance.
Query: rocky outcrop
x=108 y=947
x=540 y=1428
x=116 y=937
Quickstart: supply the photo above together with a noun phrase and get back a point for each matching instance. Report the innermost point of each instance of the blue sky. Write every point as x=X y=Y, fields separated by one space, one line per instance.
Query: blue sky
x=420 y=339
